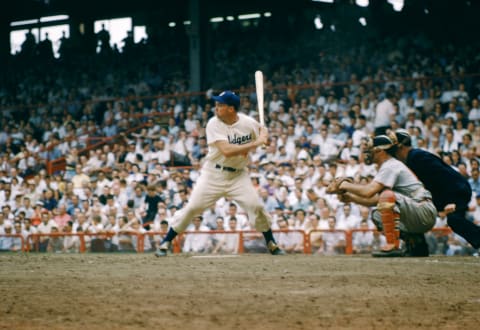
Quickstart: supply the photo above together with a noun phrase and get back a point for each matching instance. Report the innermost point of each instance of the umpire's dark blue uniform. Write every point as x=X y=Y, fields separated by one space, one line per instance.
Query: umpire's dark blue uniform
x=447 y=186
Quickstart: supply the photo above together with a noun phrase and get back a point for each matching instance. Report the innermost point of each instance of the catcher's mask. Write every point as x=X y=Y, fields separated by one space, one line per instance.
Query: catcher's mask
x=380 y=142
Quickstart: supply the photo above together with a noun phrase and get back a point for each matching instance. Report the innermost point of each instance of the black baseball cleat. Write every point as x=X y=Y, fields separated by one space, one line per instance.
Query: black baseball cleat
x=395 y=253
x=415 y=244
x=388 y=251
x=274 y=249
x=162 y=250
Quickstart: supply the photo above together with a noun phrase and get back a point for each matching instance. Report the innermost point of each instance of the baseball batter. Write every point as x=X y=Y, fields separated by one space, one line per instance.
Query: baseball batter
x=230 y=137
x=403 y=203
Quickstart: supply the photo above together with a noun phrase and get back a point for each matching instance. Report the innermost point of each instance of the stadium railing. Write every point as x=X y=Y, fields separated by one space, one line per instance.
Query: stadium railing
x=132 y=241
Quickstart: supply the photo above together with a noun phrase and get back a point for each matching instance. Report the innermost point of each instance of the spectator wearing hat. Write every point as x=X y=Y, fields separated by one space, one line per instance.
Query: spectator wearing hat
x=339 y=133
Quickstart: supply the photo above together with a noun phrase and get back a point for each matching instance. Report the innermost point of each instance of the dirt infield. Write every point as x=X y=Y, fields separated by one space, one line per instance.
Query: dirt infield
x=129 y=291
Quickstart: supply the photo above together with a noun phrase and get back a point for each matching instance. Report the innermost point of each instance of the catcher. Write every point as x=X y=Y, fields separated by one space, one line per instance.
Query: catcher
x=403 y=204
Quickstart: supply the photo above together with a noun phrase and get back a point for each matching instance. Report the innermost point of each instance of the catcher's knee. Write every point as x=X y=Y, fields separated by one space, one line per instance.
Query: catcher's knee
x=386 y=201
x=387 y=208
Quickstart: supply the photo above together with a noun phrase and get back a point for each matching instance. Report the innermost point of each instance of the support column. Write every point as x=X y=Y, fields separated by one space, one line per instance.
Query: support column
x=4 y=41
x=195 y=41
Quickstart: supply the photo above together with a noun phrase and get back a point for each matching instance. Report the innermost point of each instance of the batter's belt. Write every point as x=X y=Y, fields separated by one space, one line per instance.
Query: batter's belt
x=226 y=168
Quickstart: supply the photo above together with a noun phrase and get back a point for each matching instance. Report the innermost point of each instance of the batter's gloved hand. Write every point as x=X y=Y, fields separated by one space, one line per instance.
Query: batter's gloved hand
x=334 y=186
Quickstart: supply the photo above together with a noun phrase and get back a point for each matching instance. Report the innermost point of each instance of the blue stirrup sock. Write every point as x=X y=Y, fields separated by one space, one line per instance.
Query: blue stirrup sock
x=170 y=236
x=268 y=236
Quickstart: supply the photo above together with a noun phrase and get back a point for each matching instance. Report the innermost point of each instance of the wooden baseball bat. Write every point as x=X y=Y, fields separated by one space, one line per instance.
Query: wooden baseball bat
x=259 y=90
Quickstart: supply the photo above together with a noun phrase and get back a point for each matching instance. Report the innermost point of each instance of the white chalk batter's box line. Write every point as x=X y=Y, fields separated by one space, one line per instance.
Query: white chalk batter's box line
x=217 y=256
x=475 y=261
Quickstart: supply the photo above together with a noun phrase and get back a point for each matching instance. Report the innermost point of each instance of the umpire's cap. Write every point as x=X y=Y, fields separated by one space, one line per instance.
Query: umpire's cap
x=403 y=137
x=384 y=142
x=228 y=98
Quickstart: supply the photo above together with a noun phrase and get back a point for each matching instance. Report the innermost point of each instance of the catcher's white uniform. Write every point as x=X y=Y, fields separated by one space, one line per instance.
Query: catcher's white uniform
x=414 y=202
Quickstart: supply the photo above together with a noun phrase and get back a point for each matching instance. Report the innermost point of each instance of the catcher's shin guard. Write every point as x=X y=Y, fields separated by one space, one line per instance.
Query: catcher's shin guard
x=390 y=218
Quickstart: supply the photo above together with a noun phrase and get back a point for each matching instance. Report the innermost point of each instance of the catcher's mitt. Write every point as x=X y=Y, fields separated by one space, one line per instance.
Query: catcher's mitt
x=334 y=186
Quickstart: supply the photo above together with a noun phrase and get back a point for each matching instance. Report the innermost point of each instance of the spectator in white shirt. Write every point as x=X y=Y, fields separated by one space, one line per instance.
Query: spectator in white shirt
x=474 y=114
x=384 y=113
x=197 y=243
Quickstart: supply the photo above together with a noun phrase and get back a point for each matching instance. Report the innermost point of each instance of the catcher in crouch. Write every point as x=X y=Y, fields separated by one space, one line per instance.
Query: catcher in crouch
x=404 y=207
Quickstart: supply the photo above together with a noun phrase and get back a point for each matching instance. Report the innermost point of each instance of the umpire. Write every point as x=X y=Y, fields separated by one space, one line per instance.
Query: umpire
x=450 y=191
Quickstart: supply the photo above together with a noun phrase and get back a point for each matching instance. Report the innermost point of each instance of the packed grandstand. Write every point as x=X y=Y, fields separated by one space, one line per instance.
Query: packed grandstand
x=87 y=139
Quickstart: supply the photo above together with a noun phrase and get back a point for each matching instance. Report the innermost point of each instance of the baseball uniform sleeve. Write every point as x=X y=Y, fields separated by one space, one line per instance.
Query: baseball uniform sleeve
x=387 y=175
x=216 y=131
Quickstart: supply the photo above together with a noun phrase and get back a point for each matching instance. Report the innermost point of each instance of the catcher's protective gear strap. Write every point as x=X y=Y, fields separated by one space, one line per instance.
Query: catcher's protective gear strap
x=390 y=219
x=385 y=206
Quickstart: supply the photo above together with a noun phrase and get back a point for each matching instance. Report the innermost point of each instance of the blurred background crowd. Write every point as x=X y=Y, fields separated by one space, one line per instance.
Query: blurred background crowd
x=128 y=132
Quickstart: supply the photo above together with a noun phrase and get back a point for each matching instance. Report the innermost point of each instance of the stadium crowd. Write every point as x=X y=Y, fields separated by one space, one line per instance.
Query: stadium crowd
x=318 y=110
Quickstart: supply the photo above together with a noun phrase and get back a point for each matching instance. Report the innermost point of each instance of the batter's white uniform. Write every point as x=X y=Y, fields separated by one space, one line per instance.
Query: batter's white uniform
x=225 y=176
